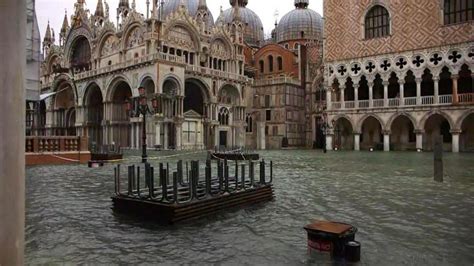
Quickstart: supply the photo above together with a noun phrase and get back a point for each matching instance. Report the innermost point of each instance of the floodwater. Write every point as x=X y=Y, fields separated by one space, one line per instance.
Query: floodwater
x=403 y=216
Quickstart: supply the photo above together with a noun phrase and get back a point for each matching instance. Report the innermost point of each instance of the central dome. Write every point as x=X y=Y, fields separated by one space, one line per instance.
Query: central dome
x=300 y=24
x=171 y=6
x=253 y=27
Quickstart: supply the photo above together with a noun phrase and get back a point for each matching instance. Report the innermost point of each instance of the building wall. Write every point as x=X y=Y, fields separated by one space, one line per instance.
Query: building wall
x=415 y=24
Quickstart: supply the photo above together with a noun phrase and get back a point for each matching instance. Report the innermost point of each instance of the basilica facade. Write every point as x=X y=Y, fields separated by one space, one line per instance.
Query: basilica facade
x=378 y=74
x=202 y=73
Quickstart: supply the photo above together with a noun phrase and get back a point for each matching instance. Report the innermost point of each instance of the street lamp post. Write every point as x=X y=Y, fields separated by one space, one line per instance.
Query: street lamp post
x=139 y=107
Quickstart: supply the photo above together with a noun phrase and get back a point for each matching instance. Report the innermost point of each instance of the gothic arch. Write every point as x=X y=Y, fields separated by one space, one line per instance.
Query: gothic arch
x=193 y=32
x=205 y=89
x=462 y=118
x=224 y=39
x=146 y=77
x=233 y=89
x=128 y=30
x=425 y=118
x=365 y=117
x=62 y=80
x=89 y=87
x=75 y=35
x=111 y=86
x=102 y=39
x=173 y=78
x=397 y=115
x=343 y=116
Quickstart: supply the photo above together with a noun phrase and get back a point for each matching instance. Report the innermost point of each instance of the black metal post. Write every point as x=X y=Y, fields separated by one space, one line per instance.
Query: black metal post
x=144 y=155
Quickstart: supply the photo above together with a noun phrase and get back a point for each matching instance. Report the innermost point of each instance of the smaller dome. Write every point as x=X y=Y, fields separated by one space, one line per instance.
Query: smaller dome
x=253 y=27
x=301 y=23
x=191 y=5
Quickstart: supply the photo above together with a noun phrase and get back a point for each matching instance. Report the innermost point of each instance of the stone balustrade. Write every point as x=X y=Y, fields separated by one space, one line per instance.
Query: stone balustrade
x=55 y=144
x=467 y=98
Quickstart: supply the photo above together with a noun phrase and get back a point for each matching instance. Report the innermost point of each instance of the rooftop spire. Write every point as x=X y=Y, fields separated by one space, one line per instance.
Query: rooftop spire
x=99 y=11
x=202 y=4
x=301 y=3
x=124 y=4
x=241 y=3
x=237 y=5
x=65 y=26
x=47 y=35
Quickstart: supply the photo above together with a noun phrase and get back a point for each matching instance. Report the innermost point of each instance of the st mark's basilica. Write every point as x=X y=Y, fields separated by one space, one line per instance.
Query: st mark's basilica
x=380 y=74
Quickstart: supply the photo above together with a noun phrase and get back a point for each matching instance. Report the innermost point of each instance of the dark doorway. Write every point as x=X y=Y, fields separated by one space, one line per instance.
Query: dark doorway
x=223 y=138
x=319 y=133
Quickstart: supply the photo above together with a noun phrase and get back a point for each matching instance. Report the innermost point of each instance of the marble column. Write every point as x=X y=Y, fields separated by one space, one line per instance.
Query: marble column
x=436 y=90
x=418 y=91
x=357 y=141
x=455 y=134
x=166 y=137
x=386 y=141
x=401 y=82
x=356 y=95
x=329 y=144
x=455 y=88
x=328 y=98
x=12 y=131
x=261 y=138
x=385 y=93
x=371 y=94
x=419 y=140
x=179 y=135
x=343 y=101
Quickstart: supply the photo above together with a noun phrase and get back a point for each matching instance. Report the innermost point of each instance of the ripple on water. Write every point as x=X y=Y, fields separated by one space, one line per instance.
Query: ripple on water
x=403 y=217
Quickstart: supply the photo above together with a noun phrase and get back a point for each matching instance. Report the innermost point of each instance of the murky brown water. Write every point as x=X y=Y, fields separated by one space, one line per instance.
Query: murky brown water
x=402 y=215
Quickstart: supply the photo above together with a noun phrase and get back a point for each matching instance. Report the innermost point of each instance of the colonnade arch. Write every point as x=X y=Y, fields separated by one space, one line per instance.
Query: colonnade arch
x=467 y=133
x=197 y=110
x=371 y=132
x=118 y=130
x=343 y=134
x=64 y=110
x=94 y=115
x=403 y=135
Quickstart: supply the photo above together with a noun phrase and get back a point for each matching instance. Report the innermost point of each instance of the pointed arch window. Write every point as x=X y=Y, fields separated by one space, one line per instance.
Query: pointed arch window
x=377 y=22
x=280 y=63
x=262 y=66
x=458 y=11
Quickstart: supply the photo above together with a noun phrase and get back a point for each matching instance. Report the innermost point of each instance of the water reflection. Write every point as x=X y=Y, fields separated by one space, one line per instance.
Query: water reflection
x=402 y=215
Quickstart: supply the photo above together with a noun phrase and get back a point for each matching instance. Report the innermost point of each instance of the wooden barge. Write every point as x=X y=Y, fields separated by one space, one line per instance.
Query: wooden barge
x=172 y=200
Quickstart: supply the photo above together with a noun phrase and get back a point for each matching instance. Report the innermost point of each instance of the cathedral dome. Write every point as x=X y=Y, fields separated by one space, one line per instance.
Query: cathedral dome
x=253 y=27
x=301 y=23
x=191 y=5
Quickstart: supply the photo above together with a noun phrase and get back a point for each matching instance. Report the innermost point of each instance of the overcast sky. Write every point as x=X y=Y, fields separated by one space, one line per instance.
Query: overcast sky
x=53 y=10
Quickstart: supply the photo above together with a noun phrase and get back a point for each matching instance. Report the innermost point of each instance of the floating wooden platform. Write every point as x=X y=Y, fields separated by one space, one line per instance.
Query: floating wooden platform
x=173 y=213
x=179 y=200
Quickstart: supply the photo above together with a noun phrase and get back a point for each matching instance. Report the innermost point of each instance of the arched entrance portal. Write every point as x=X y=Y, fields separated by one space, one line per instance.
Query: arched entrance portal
x=94 y=115
x=403 y=136
x=371 y=134
x=64 y=111
x=196 y=124
x=171 y=107
x=467 y=135
x=437 y=126
x=343 y=134
x=230 y=133
x=119 y=134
